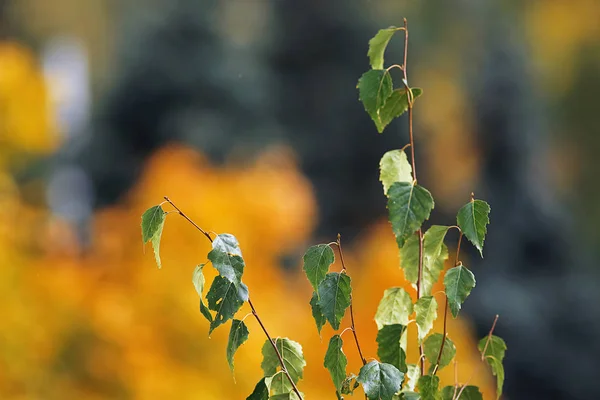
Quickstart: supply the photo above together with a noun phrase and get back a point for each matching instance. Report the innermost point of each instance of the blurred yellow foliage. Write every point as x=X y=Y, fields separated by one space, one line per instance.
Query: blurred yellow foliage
x=108 y=324
x=26 y=125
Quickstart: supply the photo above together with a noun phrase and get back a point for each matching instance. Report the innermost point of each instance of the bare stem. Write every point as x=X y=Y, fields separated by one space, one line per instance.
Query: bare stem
x=188 y=219
x=283 y=367
x=487 y=342
x=414 y=169
x=353 y=325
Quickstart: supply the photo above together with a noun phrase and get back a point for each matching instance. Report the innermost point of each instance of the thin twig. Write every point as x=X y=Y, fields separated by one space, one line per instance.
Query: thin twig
x=283 y=367
x=188 y=218
x=489 y=338
x=414 y=170
x=352 y=324
x=281 y=362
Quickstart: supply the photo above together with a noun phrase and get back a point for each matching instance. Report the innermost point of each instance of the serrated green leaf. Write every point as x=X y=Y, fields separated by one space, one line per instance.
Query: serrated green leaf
x=317 y=261
x=412 y=377
x=468 y=393
x=459 y=282
x=394 y=167
x=377 y=46
x=494 y=354
x=473 y=219
x=426 y=313
x=409 y=205
x=260 y=392
x=279 y=383
x=285 y=396
x=229 y=265
x=374 y=88
x=205 y=311
x=349 y=384
x=428 y=387
x=336 y=361
x=238 y=334
x=380 y=380
x=198 y=281
x=395 y=106
x=431 y=273
x=389 y=348
x=394 y=308
x=153 y=222
x=291 y=353
x=224 y=298
x=317 y=313
x=409 y=259
x=432 y=346
x=227 y=243
x=408 y=395
x=334 y=297
x=433 y=243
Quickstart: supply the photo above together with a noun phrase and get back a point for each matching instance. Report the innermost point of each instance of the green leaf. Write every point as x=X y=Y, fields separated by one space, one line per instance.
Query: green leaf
x=336 y=361
x=428 y=387
x=334 y=297
x=285 y=396
x=433 y=243
x=153 y=221
x=431 y=272
x=395 y=106
x=230 y=266
x=279 y=383
x=317 y=260
x=473 y=219
x=426 y=311
x=432 y=346
x=412 y=377
x=261 y=391
x=380 y=380
x=409 y=259
x=198 y=281
x=409 y=205
x=389 y=349
x=237 y=336
x=494 y=354
x=205 y=312
x=459 y=282
x=394 y=308
x=227 y=243
x=349 y=384
x=317 y=313
x=377 y=46
x=291 y=353
x=224 y=298
x=394 y=167
x=468 y=393
x=408 y=395
x=374 y=88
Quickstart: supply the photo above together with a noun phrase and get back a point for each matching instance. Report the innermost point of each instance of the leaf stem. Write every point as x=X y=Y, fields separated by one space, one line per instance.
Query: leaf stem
x=487 y=342
x=352 y=324
x=283 y=367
